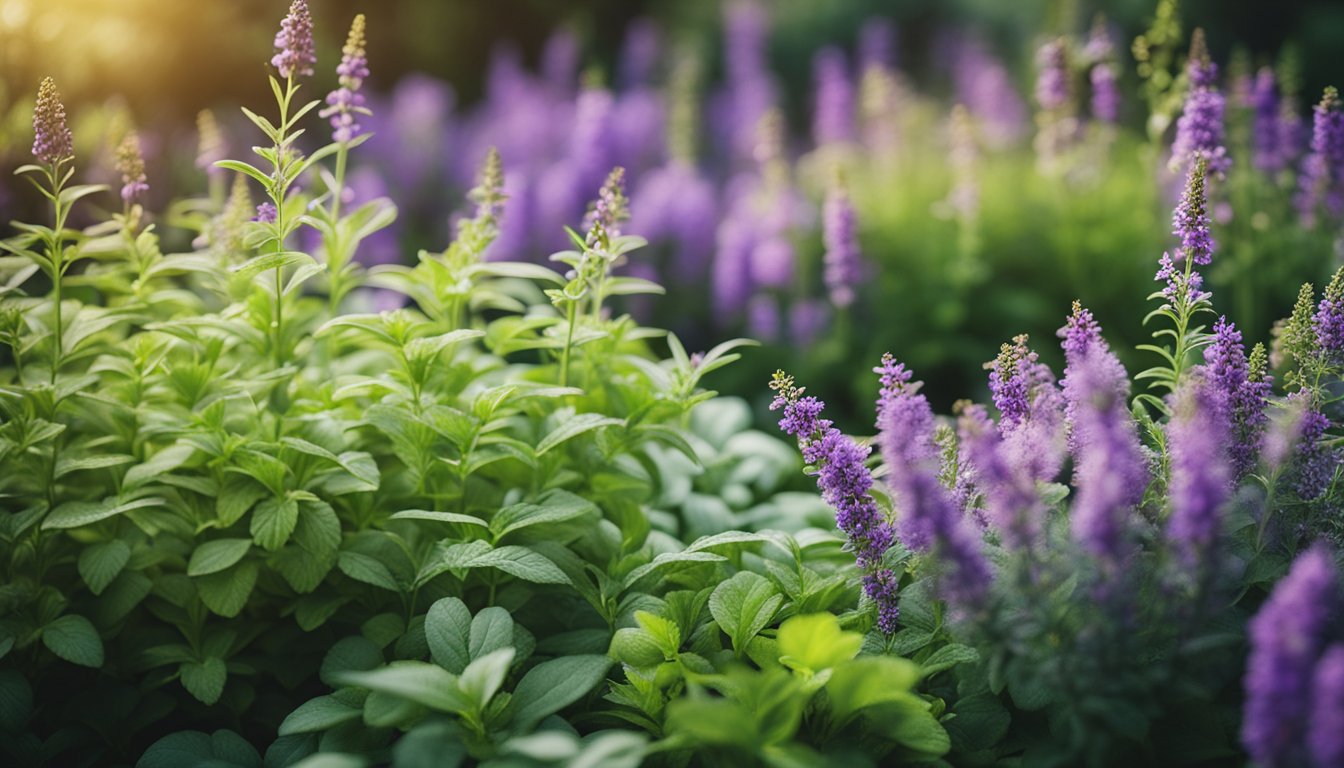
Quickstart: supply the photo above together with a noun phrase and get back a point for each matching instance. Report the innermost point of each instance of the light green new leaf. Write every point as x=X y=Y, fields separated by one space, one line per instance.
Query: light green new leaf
x=815 y=642
x=425 y=684
x=483 y=676
x=573 y=427
x=743 y=606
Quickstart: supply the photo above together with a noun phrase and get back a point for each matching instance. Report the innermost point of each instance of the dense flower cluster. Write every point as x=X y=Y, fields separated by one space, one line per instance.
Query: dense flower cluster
x=1321 y=182
x=344 y=103
x=1052 y=79
x=1288 y=637
x=1190 y=222
x=295 y=52
x=130 y=164
x=844 y=481
x=1272 y=148
x=52 y=140
x=1199 y=131
x=1241 y=388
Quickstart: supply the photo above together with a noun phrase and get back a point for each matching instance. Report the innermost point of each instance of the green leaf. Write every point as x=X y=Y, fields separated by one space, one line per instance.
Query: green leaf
x=73 y=638
x=573 y=427
x=237 y=494
x=425 y=684
x=522 y=563
x=75 y=514
x=481 y=680
x=949 y=656
x=447 y=628
x=100 y=563
x=367 y=569
x=664 y=632
x=259 y=264
x=743 y=606
x=980 y=722
x=553 y=685
x=226 y=592
x=161 y=463
x=867 y=681
x=215 y=556
x=814 y=642
x=273 y=521
x=439 y=517
x=555 y=507
x=205 y=679
x=491 y=630
x=222 y=749
x=349 y=654
x=319 y=714
x=16 y=701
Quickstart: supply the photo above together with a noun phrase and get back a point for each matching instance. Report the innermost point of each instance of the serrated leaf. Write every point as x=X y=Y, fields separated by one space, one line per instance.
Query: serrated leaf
x=100 y=563
x=215 y=556
x=743 y=606
x=74 y=638
x=574 y=426
x=75 y=514
x=226 y=592
x=522 y=563
x=205 y=679
x=273 y=521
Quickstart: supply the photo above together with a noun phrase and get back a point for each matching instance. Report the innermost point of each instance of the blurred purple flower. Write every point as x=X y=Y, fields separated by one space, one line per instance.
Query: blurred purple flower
x=807 y=319
x=984 y=86
x=266 y=213
x=677 y=204
x=1199 y=131
x=1287 y=637
x=1325 y=737
x=1270 y=154
x=843 y=262
x=1328 y=321
x=877 y=45
x=560 y=61
x=1052 y=79
x=130 y=164
x=1201 y=478
x=1322 y=177
x=833 y=98
x=1242 y=395
x=1105 y=93
x=641 y=50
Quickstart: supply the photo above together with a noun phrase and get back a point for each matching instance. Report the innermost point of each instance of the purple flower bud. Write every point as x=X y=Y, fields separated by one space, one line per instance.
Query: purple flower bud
x=1325 y=738
x=1287 y=637
x=295 y=55
x=833 y=102
x=52 y=140
x=843 y=265
x=346 y=101
x=266 y=213
x=609 y=209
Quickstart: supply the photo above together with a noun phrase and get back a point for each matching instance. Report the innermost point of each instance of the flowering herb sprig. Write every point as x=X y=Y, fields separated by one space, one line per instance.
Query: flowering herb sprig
x=843 y=478
x=1183 y=297
x=53 y=147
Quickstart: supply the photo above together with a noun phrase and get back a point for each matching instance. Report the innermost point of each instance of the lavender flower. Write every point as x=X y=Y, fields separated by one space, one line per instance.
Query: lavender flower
x=877 y=45
x=609 y=209
x=1080 y=334
x=210 y=145
x=1328 y=321
x=750 y=89
x=1270 y=155
x=930 y=519
x=295 y=55
x=985 y=87
x=1199 y=131
x=1052 y=80
x=1322 y=177
x=833 y=103
x=346 y=101
x=52 y=140
x=1201 y=480
x=130 y=163
x=1315 y=461
x=266 y=213
x=1325 y=738
x=1110 y=470
x=842 y=260
x=1190 y=221
x=1010 y=380
x=560 y=61
x=1105 y=92
x=1287 y=637
x=1012 y=505
x=640 y=52
x=844 y=481
x=1241 y=388
x=678 y=205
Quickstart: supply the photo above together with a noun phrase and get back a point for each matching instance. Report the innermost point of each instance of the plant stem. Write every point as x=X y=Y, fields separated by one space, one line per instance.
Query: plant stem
x=571 y=312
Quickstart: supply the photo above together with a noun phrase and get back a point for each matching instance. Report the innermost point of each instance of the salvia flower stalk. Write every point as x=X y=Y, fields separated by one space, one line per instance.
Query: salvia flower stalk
x=346 y=102
x=1321 y=181
x=1200 y=129
x=844 y=482
x=295 y=53
x=131 y=165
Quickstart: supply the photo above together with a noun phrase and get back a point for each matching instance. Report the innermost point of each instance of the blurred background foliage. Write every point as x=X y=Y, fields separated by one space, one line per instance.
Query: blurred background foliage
x=1038 y=243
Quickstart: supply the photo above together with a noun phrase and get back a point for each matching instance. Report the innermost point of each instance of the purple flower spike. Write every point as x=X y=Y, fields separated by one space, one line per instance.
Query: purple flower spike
x=295 y=54
x=1105 y=93
x=131 y=164
x=1241 y=388
x=1271 y=154
x=1322 y=177
x=833 y=105
x=844 y=481
x=346 y=101
x=1052 y=82
x=1190 y=222
x=1287 y=637
x=52 y=140
x=1201 y=480
x=1329 y=318
x=843 y=265
x=1199 y=131
x=1324 y=736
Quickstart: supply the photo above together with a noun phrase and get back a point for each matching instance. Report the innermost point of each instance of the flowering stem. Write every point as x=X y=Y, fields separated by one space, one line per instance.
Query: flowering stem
x=279 y=188
x=571 y=315
x=57 y=252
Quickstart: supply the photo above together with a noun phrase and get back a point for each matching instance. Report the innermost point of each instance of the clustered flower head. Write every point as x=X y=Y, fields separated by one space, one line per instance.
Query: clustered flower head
x=52 y=140
x=609 y=209
x=1241 y=388
x=1328 y=321
x=843 y=268
x=1322 y=177
x=1191 y=224
x=295 y=52
x=1289 y=635
x=346 y=101
x=1052 y=82
x=489 y=194
x=130 y=163
x=1201 y=479
x=1199 y=131
x=266 y=213
x=844 y=480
